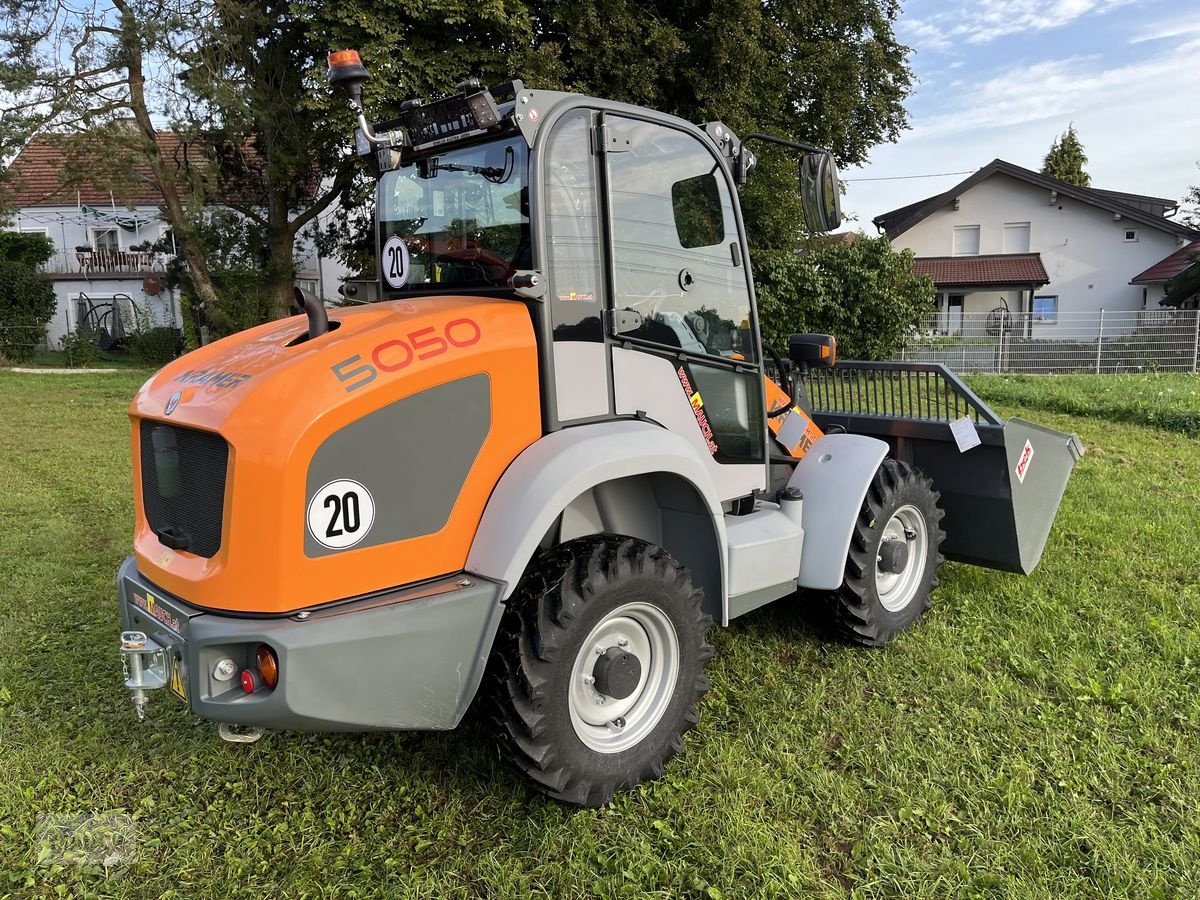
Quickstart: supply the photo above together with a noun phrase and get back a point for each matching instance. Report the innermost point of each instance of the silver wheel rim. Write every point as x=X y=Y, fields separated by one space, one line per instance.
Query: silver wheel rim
x=897 y=589
x=608 y=725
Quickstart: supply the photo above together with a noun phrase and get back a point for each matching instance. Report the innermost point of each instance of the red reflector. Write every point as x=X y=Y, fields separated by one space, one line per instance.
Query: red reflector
x=248 y=681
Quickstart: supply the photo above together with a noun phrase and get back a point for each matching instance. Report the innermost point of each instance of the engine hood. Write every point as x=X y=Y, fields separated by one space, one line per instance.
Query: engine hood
x=291 y=410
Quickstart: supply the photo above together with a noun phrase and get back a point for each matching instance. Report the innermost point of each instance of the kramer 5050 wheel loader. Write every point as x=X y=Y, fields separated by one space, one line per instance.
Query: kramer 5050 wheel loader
x=533 y=474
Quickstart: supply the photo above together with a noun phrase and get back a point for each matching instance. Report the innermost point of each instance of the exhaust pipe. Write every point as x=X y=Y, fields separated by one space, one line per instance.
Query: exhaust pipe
x=318 y=319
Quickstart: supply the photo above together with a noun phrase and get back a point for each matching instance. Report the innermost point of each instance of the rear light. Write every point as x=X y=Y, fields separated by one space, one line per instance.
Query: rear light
x=268 y=665
x=250 y=681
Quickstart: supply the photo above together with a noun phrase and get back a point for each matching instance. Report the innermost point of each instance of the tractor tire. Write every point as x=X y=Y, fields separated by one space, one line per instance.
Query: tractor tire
x=598 y=667
x=894 y=556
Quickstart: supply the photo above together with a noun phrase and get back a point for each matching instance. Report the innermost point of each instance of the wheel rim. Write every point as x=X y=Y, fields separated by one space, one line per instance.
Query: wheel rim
x=897 y=589
x=609 y=725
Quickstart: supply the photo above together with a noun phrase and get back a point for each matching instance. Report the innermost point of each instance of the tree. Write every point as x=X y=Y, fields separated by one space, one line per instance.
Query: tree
x=77 y=68
x=831 y=74
x=860 y=290
x=1191 y=206
x=27 y=299
x=1066 y=159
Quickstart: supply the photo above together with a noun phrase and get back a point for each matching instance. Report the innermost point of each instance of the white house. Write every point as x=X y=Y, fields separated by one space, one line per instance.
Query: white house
x=104 y=269
x=1010 y=238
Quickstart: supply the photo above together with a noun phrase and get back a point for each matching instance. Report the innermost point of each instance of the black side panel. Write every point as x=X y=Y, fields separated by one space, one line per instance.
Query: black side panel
x=183 y=486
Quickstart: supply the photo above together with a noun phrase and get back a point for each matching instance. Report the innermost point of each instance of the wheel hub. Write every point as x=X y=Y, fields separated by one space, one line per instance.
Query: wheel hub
x=893 y=556
x=623 y=678
x=617 y=673
x=900 y=560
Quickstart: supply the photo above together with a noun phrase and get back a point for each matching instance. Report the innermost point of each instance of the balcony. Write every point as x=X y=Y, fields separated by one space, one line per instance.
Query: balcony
x=89 y=264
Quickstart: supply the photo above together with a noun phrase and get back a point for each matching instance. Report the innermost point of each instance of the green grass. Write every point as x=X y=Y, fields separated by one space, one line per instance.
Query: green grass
x=1034 y=737
x=1170 y=401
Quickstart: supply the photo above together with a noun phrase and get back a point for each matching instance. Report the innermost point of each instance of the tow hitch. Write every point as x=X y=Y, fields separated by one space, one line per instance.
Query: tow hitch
x=145 y=664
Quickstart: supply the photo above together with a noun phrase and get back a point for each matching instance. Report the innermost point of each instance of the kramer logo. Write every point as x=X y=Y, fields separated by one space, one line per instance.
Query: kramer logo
x=152 y=608
x=173 y=403
x=1024 y=461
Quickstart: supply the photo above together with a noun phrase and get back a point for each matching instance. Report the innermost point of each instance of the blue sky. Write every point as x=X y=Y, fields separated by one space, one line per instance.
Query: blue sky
x=1003 y=78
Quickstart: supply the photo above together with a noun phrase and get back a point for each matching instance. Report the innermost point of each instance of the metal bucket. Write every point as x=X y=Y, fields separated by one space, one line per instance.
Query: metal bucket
x=1000 y=497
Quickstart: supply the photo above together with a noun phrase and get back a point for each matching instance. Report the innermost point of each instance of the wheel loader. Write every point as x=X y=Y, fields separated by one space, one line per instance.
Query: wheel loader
x=552 y=454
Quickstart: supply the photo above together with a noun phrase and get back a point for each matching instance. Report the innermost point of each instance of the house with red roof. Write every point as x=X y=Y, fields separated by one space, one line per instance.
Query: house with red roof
x=112 y=243
x=1008 y=239
x=1154 y=279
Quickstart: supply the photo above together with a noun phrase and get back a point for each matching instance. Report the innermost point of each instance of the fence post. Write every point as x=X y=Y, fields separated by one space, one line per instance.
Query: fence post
x=1100 y=341
x=1196 y=341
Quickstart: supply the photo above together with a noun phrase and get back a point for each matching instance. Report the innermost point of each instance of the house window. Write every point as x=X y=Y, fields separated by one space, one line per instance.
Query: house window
x=105 y=240
x=1130 y=235
x=966 y=240
x=1016 y=237
x=1045 y=310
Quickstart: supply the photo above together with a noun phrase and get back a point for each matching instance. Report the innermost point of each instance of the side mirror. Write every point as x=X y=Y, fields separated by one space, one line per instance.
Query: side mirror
x=820 y=192
x=812 y=351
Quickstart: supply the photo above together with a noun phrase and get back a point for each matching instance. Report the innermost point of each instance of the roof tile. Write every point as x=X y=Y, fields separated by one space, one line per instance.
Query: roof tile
x=1166 y=269
x=997 y=269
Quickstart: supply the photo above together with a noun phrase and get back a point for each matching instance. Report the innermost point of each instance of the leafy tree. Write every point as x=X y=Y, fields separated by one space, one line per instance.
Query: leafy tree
x=27 y=300
x=1066 y=159
x=863 y=292
x=103 y=65
x=1184 y=288
x=1191 y=206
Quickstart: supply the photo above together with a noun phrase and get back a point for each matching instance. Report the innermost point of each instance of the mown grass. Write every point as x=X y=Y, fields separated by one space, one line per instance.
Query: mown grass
x=1170 y=401
x=1035 y=737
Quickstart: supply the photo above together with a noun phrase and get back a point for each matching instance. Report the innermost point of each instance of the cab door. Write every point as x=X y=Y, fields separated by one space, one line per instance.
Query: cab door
x=680 y=318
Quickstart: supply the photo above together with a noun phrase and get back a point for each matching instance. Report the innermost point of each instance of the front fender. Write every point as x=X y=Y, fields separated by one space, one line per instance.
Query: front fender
x=559 y=467
x=833 y=477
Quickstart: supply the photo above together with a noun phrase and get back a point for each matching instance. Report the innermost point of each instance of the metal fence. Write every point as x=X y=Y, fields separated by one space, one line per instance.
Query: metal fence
x=1093 y=342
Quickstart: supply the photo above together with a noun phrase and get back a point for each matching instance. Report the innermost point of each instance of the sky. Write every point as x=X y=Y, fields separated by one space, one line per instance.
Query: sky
x=1004 y=78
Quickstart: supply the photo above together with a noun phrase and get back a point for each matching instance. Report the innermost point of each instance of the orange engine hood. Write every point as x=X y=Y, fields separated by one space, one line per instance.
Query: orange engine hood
x=290 y=409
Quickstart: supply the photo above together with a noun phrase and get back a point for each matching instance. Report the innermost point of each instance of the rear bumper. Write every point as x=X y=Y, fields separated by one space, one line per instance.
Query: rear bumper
x=411 y=658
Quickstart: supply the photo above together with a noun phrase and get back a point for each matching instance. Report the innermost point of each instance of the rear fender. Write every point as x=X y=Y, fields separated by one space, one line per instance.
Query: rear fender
x=624 y=477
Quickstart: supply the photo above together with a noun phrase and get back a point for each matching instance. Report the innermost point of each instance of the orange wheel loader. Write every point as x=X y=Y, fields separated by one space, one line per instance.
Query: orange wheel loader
x=535 y=472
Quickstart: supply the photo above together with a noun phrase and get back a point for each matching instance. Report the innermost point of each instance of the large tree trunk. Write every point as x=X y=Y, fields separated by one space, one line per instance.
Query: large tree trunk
x=281 y=269
x=186 y=239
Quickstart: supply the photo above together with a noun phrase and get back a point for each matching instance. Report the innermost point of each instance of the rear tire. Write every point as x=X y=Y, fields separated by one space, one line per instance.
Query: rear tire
x=891 y=568
x=598 y=667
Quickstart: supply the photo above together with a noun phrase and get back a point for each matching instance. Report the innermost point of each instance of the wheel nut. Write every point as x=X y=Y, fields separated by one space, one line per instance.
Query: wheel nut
x=599 y=650
x=622 y=642
x=619 y=722
x=589 y=679
x=600 y=700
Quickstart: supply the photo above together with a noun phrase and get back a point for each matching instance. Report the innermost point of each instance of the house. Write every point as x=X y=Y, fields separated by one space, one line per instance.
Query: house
x=109 y=258
x=1007 y=239
x=1154 y=279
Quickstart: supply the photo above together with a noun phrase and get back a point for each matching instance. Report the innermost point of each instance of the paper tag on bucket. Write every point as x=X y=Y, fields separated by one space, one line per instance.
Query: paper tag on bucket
x=965 y=434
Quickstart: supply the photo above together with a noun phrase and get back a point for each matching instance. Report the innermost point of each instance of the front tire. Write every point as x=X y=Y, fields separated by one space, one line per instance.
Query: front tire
x=891 y=568
x=598 y=667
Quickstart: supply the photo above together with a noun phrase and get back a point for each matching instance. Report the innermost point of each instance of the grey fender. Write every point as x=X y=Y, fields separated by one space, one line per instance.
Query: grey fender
x=833 y=476
x=625 y=477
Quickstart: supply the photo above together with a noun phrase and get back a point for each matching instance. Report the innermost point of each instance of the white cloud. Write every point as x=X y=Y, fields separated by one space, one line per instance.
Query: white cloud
x=983 y=21
x=1135 y=120
x=1164 y=30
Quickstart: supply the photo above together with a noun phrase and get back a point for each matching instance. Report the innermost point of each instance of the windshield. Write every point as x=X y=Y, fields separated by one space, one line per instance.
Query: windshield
x=458 y=220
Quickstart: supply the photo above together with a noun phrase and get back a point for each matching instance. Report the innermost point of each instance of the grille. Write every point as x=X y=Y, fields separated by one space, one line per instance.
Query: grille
x=183 y=486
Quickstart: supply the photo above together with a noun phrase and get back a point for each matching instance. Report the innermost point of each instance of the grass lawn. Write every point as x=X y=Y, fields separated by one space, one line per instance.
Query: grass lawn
x=1035 y=737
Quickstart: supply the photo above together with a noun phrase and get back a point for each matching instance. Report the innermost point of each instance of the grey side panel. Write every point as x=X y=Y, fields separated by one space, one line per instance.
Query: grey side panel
x=833 y=476
x=1036 y=498
x=648 y=383
x=406 y=659
x=412 y=455
x=549 y=476
x=581 y=379
x=764 y=549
